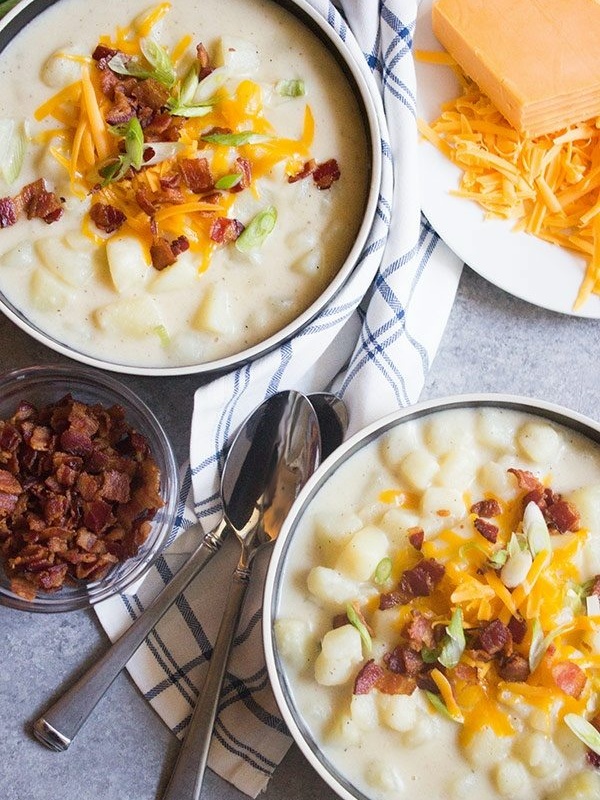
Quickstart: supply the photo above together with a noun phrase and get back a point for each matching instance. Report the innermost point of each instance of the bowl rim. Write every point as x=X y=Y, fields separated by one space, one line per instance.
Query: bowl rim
x=27 y=10
x=562 y=415
x=81 y=376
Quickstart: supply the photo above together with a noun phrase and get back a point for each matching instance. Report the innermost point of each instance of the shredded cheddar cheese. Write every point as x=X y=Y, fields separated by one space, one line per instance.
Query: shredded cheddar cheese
x=86 y=145
x=550 y=185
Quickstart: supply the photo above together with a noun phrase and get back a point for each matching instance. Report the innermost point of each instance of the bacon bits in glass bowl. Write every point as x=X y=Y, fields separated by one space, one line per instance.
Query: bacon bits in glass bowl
x=88 y=488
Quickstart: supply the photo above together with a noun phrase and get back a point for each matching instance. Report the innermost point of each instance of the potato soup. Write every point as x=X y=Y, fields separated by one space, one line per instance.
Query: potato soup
x=438 y=619
x=203 y=168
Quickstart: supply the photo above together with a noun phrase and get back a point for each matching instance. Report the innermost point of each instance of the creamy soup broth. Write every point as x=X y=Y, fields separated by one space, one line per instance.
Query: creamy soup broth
x=426 y=474
x=188 y=313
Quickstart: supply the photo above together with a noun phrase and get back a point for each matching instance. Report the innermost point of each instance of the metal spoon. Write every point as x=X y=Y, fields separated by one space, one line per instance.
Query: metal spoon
x=59 y=725
x=294 y=462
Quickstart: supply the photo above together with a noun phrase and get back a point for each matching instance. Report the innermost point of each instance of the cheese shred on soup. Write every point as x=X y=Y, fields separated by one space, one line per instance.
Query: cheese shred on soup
x=439 y=613
x=177 y=182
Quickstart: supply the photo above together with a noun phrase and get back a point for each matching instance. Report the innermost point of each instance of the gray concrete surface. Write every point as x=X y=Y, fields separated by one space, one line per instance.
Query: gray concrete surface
x=493 y=342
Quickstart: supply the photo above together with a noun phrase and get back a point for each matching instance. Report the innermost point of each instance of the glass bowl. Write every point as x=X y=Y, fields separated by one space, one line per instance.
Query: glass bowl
x=47 y=384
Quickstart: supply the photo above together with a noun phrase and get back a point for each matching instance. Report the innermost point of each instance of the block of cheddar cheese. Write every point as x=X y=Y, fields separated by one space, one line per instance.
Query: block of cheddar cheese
x=537 y=60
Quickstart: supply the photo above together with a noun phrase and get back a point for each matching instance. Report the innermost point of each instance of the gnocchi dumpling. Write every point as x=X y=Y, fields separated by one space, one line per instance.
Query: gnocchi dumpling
x=538 y=441
x=418 y=468
x=359 y=558
x=341 y=652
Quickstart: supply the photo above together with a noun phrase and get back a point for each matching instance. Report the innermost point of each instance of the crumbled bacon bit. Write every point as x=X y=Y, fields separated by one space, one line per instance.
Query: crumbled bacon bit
x=161 y=253
x=204 y=61
x=487 y=529
x=394 y=683
x=403 y=660
x=390 y=599
x=518 y=628
x=515 y=668
x=122 y=110
x=325 y=174
x=416 y=537
x=224 y=230
x=107 y=217
x=422 y=579
x=196 y=174
x=8 y=212
x=245 y=171
x=367 y=677
x=494 y=637
x=86 y=488
x=595 y=590
x=563 y=516
x=569 y=678
x=486 y=508
x=420 y=631
x=38 y=202
x=307 y=169
x=526 y=480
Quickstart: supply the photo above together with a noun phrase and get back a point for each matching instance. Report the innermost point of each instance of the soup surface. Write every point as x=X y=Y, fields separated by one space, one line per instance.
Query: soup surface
x=438 y=621
x=171 y=248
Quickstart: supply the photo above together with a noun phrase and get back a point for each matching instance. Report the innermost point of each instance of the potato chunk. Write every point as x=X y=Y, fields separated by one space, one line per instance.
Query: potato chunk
x=341 y=652
x=359 y=558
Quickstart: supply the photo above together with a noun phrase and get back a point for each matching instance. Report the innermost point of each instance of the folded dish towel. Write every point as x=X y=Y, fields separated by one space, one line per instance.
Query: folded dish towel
x=380 y=353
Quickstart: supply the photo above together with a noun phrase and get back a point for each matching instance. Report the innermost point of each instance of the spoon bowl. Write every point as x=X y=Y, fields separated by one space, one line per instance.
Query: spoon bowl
x=292 y=463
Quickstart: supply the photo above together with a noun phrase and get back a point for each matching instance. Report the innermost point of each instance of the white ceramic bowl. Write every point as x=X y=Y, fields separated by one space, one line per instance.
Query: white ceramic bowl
x=28 y=10
x=48 y=384
x=292 y=533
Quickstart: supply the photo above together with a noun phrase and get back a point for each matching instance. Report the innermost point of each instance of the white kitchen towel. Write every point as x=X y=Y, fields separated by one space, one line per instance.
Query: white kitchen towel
x=378 y=336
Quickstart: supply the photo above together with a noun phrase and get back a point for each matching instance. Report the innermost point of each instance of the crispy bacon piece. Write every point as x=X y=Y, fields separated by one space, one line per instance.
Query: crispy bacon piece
x=403 y=660
x=123 y=108
x=394 y=683
x=204 y=61
x=102 y=54
x=161 y=253
x=307 y=169
x=149 y=94
x=390 y=599
x=245 y=170
x=367 y=677
x=526 y=480
x=325 y=174
x=569 y=678
x=416 y=537
x=486 y=508
x=8 y=212
x=518 y=628
x=487 y=529
x=224 y=230
x=595 y=590
x=563 y=516
x=420 y=631
x=38 y=202
x=196 y=174
x=163 y=128
x=515 y=668
x=107 y=217
x=421 y=580
x=494 y=637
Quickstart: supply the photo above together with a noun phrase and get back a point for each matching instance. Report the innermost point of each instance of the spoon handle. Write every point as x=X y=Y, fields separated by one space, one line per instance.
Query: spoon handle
x=59 y=725
x=186 y=780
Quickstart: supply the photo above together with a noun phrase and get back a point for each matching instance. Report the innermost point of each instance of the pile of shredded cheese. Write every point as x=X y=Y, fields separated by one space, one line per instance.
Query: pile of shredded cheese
x=81 y=140
x=549 y=594
x=549 y=184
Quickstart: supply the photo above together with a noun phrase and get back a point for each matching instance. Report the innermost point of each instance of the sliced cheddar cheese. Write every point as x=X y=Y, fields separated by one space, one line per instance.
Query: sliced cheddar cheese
x=537 y=60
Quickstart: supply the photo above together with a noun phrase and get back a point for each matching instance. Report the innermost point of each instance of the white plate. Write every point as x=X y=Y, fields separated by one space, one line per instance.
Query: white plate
x=541 y=273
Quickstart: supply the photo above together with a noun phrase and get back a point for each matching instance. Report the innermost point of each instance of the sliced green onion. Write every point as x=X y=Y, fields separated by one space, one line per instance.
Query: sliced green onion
x=257 y=230
x=235 y=139
x=156 y=55
x=163 y=334
x=439 y=705
x=540 y=643
x=228 y=181
x=585 y=731
x=536 y=530
x=133 y=134
x=123 y=66
x=454 y=642
x=354 y=619
x=188 y=87
x=498 y=559
x=516 y=545
x=178 y=110
x=210 y=84
x=13 y=142
x=430 y=654
x=114 y=170
x=291 y=88
x=383 y=570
